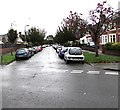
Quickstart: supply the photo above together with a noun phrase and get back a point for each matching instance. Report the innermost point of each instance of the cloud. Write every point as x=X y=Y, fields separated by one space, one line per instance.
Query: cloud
x=43 y=13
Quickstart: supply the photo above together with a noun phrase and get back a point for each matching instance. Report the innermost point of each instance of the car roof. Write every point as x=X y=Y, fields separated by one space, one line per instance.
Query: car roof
x=74 y=47
x=21 y=49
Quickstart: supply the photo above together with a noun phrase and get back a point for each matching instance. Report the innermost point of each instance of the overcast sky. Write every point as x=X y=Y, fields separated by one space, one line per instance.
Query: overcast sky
x=46 y=14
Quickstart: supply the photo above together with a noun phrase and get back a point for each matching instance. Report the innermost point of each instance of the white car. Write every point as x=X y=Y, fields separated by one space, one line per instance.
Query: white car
x=74 y=54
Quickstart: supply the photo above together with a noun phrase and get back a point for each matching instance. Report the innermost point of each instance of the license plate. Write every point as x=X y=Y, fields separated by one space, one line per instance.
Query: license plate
x=20 y=56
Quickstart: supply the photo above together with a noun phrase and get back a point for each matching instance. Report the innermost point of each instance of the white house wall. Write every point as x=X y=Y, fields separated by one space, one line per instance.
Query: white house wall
x=86 y=39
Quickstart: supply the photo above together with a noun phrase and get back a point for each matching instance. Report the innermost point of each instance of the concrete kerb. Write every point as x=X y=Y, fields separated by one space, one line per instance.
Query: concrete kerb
x=107 y=66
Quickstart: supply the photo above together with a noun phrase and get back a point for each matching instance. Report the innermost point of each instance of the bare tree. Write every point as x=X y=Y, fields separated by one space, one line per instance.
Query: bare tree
x=100 y=19
x=75 y=23
x=72 y=28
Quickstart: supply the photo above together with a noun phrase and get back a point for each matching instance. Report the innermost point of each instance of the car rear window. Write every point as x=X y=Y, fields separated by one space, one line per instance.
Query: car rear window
x=75 y=51
x=21 y=51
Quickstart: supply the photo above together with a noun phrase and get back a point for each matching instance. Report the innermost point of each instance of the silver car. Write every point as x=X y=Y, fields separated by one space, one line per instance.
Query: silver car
x=74 y=54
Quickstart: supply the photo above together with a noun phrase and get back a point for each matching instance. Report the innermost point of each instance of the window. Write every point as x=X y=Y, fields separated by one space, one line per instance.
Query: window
x=75 y=51
x=112 y=38
x=105 y=39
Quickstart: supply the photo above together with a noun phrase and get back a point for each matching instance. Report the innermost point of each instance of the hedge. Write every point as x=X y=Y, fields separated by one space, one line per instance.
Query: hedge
x=112 y=46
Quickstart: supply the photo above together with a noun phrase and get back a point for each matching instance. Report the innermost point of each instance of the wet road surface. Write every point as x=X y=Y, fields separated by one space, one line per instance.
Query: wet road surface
x=46 y=81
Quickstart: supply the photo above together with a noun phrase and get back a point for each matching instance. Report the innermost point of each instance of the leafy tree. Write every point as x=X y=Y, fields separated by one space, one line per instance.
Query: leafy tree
x=63 y=35
x=36 y=36
x=12 y=35
x=100 y=19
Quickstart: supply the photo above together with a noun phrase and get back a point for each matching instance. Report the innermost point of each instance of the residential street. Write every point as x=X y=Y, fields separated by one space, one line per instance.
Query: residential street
x=46 y=81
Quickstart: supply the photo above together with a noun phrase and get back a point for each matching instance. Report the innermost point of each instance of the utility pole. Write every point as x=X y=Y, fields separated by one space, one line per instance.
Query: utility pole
x=25 y=34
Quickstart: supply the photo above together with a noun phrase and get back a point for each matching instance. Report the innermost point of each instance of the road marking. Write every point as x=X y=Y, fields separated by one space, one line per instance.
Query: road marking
x=76 y=71
x=112 y=73
x=93 y=72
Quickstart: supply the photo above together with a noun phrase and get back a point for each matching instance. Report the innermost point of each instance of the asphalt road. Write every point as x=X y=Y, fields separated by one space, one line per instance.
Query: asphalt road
x=46 y=81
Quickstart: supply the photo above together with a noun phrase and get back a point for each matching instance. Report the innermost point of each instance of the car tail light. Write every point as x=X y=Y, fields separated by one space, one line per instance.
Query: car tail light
x=25 y=52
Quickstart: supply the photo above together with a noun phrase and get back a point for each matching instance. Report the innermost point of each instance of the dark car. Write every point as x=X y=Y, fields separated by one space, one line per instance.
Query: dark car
x=22 y=53
x=62 y=52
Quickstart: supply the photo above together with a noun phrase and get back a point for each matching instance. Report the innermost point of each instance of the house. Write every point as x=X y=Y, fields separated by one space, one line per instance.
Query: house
x=113 y=33
x=4 y=38
x=87 y=38
x=18 y=40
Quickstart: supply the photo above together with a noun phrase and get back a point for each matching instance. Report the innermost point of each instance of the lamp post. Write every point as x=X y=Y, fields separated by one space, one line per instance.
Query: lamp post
x=25 y=34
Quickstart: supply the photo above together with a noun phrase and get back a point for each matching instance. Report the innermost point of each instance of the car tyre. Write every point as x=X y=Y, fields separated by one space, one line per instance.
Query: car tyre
x=67 y=61
x=16 y=59
x=82 y=62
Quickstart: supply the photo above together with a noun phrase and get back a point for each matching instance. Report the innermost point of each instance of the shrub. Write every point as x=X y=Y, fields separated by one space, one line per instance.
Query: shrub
x=112 y=46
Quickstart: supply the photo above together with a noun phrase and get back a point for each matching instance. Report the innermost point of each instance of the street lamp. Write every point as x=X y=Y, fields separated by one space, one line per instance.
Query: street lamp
x=25 y=34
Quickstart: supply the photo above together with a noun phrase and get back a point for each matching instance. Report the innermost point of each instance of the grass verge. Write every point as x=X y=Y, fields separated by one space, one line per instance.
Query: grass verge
x=90 y=58
x=7 y=58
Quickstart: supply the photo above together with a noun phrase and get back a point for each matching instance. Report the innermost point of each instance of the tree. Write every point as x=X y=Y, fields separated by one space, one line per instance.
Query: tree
x=100 y=18
x=63 y=35
x=76 y=24
x=73 y=27
x=36 y=36
x=12 y=35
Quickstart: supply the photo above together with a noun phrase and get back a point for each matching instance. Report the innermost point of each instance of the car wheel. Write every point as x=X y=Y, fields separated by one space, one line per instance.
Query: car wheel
x=82 y=62
x=67 y=61
x=16 y=59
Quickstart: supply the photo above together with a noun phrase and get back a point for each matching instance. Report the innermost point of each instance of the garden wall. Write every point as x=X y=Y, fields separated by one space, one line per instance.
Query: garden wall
x=110 y=52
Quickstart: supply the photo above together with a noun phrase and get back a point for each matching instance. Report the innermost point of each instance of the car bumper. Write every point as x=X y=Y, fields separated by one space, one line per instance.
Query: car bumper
x=22 y=56
x=74 y=59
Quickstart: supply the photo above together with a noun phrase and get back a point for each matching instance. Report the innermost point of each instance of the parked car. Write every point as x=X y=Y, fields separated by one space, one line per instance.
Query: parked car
x=74 y=54
x=40 y=48
x=31 y=51
x=22 y=53
x=62 y=52
x=34 y=50
x=58 y=49
x=44 y=46
x=91 y=44
x=55 y=46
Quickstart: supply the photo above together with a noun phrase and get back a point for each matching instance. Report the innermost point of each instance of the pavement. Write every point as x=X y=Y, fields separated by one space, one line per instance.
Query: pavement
x=105 y=66
x=108 y=66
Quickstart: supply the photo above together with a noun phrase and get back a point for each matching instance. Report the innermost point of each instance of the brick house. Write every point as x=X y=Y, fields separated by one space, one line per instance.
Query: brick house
x=113 y=33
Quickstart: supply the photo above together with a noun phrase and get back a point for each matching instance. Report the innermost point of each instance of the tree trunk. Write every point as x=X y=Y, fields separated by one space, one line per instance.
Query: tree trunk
x=11 y=49
x=96 y=50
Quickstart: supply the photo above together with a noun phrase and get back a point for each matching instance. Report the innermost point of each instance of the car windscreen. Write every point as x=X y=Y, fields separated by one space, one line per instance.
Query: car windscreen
x=75 y=51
